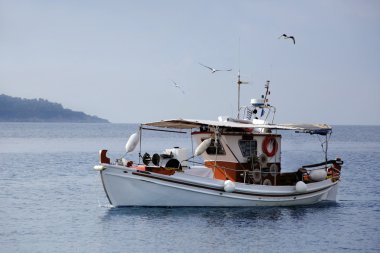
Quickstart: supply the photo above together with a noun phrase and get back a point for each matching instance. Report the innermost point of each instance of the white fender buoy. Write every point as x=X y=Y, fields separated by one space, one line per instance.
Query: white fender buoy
x=202 y=147
x=229 y=186
x=132 y=142
x=318 y=175
x=99 y=167
x=301 y=187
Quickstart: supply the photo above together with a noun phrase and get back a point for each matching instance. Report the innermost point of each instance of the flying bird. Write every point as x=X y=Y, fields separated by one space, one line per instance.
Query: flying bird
x=288 y=37
x=214 y=70
x=178 y=87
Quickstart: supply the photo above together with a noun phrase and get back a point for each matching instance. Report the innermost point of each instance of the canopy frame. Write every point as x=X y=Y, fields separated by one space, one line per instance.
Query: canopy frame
x=320 y=129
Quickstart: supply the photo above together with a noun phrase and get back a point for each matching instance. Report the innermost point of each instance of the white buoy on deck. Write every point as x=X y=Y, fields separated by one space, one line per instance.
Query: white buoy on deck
x=99 y=167
x=301 y=187
x=229 y=186
x=318 y=175
x=132 y=142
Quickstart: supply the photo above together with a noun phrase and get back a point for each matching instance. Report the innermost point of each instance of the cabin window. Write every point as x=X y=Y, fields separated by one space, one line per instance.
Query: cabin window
x=203 y=129
x=215 y=149
x=248 y=148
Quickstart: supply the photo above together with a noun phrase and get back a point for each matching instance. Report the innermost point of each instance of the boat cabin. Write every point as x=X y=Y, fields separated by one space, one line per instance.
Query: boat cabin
x=237 y=151
x=240 y=155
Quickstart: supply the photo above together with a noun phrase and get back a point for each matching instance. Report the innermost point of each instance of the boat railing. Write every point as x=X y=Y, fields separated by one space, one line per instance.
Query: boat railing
x=257 y=175
x=263 y=175
x=337 y=161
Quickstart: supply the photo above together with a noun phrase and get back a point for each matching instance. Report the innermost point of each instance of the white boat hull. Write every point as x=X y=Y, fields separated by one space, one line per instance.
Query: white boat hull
x=130 y=187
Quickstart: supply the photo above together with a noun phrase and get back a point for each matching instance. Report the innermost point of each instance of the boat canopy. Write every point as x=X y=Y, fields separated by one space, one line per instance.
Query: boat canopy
x=321 y=129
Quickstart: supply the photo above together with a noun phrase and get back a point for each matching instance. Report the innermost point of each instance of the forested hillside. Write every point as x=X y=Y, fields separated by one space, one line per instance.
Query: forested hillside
x=13 y=109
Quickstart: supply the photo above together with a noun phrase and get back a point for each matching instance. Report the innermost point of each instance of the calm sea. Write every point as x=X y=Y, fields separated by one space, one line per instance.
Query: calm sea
x=51 y=200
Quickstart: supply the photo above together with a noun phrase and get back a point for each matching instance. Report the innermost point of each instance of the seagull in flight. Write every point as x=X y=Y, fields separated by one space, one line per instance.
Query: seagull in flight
x=178 y=87
x=214 y=70
x=288 y=37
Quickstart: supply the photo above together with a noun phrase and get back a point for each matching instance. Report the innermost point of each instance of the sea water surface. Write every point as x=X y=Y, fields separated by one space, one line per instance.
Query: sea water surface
x=51 y=199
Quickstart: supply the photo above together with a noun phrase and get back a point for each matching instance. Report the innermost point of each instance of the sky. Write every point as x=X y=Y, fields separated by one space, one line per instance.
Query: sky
x=117 y=59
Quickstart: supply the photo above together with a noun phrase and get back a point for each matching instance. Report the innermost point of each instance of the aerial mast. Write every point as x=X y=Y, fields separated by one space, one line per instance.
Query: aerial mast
x=239 y=82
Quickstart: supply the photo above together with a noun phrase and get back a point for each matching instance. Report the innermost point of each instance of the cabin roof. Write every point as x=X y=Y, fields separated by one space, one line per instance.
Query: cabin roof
x=322 y=129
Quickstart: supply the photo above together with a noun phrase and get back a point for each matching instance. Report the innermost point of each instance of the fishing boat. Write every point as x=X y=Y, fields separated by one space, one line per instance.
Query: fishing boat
x=236 y=162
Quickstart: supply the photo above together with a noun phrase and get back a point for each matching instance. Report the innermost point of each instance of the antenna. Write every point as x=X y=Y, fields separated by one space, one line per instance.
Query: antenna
x=239 y=82
x=239 y=53
x=267 y=92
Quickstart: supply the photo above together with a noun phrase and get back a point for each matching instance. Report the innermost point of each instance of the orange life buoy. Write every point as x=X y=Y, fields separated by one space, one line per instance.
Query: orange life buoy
x=265 y=146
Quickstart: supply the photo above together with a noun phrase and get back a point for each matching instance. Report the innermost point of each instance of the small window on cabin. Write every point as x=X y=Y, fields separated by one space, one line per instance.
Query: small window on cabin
x=203 y=129
x=248 y=148
x=215 y=149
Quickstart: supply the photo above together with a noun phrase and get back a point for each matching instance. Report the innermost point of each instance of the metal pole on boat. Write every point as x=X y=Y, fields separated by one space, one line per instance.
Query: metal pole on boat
x=239 y=82
x=327 y=144
x=267 y=92
x=192 y=145
x=327 y=136
x=140 y=132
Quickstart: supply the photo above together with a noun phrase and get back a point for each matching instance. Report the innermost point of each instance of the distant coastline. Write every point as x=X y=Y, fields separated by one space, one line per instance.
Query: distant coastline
x=15 y=109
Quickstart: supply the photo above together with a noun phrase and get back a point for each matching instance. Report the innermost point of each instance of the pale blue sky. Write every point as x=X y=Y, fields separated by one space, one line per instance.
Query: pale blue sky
x=116 y=59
